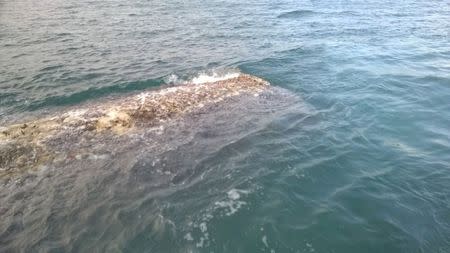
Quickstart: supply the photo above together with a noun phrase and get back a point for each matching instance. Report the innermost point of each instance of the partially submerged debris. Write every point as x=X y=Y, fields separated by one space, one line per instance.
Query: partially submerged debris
x=26 y=146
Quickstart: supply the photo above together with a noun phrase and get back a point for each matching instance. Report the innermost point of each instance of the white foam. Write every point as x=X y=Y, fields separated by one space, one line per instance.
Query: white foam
x=171 y=79
x=200 y=243
x=264 y=240
x=188 y=237
x=232 y=204
x=203 y=227
x=204 y=239
x=213 y=77
x=310 y=247
x=235 y=194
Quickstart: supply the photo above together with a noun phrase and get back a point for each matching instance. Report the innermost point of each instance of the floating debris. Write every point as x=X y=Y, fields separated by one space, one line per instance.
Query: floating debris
x=27 y=146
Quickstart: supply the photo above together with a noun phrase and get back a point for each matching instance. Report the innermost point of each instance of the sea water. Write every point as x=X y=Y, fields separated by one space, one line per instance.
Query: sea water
x=352 y=155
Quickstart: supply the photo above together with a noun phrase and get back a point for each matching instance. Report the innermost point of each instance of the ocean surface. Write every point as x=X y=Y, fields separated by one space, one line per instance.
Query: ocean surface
x=355 y=158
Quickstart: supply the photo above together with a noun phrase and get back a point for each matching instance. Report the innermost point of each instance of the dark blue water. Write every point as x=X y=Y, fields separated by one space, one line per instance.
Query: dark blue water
x=366 y=168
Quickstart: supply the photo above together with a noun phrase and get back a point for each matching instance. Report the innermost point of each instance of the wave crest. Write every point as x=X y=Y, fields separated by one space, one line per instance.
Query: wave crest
x=205 y=76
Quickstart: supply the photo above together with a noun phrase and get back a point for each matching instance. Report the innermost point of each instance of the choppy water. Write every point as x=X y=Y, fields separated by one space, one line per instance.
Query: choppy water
x=359 y=161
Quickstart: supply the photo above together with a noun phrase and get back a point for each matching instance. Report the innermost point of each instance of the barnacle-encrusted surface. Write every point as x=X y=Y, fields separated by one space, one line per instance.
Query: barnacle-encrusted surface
x=32 y=144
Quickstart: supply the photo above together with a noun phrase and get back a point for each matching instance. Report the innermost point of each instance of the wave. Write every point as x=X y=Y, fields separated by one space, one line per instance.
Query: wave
x=200 y=77
x=307 y=13
x=93 y=93
x=204 y=76
x=297 y=14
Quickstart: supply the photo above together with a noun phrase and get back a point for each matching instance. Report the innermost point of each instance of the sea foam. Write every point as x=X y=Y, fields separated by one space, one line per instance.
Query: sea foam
x=213 y=77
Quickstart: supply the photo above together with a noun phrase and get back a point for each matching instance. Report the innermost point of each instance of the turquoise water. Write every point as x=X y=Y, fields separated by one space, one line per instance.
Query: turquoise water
x=359 y=163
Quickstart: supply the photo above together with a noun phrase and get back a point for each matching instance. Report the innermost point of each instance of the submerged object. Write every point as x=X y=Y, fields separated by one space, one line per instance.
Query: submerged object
x=55 y=139
x=118 y=166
